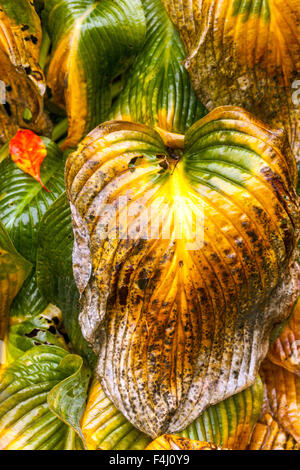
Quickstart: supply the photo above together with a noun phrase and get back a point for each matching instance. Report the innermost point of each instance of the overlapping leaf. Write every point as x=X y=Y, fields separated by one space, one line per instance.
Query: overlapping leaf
x=268 y=435
x=285 y=350
x=244 y=53
x=93 y=42
x=29 y=302
x=158 y=91
x=44 y=383
x=46 y=328
x=104 y=427
x=282 y=396
x=55 y=272
x=179 y=310
x=22 y=81
x=230 y=423
x=23 y=201
x=13 y=271
x=171 y=442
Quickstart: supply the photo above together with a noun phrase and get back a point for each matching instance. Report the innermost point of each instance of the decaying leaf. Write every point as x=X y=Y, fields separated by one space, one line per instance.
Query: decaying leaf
x=282 y=397
x=285 y=351
x=93 y=42
x=28 y=151
x=184 y=258
x=244 y=53
x=158 y=91
x=45 y=328
x=268 y=435
x=21 y=79
x=13 y=271
x=171 y=442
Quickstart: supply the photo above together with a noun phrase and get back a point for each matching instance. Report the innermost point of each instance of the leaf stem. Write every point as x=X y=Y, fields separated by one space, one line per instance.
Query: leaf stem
x=45 y=47
x=60 y=130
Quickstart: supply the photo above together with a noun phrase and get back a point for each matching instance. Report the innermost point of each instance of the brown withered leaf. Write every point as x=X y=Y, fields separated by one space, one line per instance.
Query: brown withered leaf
x=268 y=435
x=171 y=442
x=282 y=397
x=21 y=78
x=185 y=260
x=285 y=351
x=14 y=269
x=244 y=53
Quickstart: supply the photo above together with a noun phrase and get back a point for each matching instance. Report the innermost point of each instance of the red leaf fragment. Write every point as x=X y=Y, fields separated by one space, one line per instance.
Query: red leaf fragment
x=28 y=151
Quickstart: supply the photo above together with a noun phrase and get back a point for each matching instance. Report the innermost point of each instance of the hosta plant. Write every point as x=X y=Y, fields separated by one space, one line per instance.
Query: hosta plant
x=149 y=225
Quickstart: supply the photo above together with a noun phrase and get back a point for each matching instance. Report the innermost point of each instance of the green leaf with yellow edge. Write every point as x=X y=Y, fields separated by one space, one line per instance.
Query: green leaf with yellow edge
x=157 y=89
x=31 y=389
x=244 y=53
x=229 y=423
x=23 y=201
x=173 y=442
x=45 y=328
x=22 y=80
x=104 y=427
x=14 y=269
x=55 y=277
x=93 y=42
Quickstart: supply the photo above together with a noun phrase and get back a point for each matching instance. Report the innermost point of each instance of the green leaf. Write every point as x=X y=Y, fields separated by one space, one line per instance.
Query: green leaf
x=46 y=329
x=104 y=427
x=30 y=391
x=158 y=91
x=93 y=42
x=13 y=271
x=68 y=398
x=55 y=272
x=23 y=201
x=29 y=302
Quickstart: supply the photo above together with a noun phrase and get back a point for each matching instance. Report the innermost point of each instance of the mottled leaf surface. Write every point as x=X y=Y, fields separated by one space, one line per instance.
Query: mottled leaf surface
x=193 y=260
x=244 y=53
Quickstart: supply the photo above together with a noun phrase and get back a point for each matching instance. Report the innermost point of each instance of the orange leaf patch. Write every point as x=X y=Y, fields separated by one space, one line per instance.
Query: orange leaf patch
x=28 y=151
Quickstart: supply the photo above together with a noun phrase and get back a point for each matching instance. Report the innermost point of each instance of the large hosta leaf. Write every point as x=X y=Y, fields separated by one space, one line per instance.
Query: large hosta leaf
x=23 y=201
x=22 y=80
x=171 y=442
x=44 y=383
x=93 y=42
x=230 y=423
x=184 y=260
x=13 y=271
x=55 y=273
x=244 y=53
x=285 y=350
x=158 y=89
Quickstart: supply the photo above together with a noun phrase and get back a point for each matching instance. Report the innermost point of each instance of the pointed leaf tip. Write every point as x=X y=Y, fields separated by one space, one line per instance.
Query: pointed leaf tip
x=28 y=151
